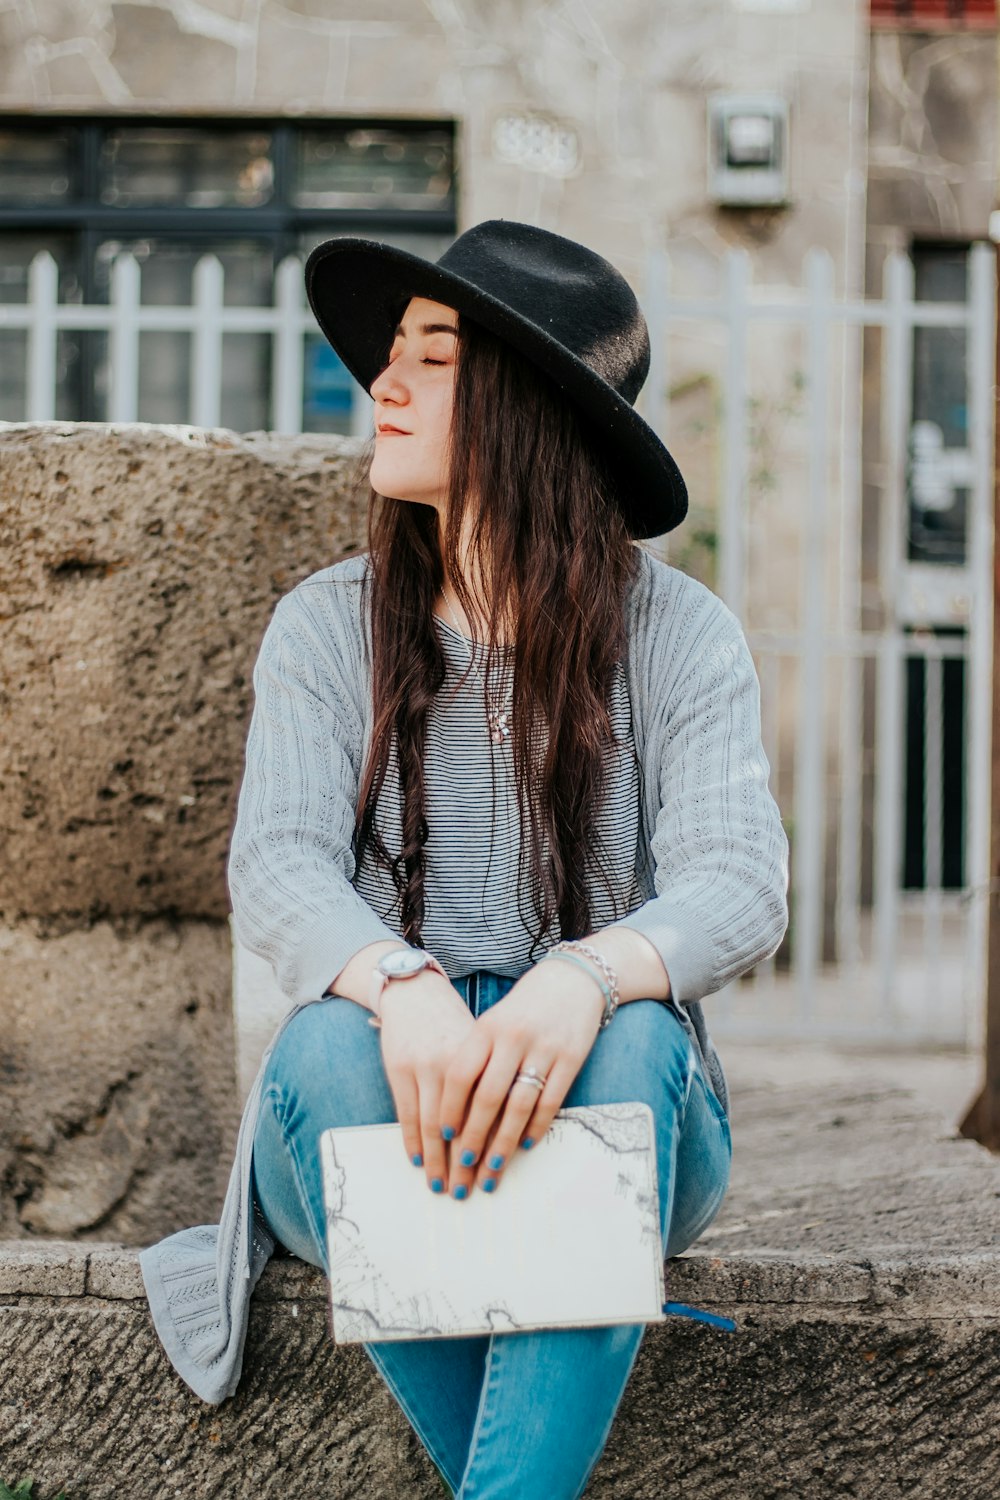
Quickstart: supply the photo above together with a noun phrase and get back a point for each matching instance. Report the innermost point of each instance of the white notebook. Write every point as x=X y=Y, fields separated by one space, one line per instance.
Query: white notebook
x=571 y=1237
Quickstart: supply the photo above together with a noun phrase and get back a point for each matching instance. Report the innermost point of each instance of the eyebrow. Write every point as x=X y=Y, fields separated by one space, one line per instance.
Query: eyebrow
x=399 y=330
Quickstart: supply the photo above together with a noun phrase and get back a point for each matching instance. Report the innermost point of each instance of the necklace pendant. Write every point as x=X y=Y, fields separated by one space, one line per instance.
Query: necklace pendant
x=499 y=728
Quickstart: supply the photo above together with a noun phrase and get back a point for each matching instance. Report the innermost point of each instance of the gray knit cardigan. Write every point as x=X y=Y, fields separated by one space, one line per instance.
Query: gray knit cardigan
x=712 y=867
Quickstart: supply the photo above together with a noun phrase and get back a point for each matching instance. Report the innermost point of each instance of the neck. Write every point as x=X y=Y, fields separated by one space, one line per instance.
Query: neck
x=448 y=607
x=471 y=576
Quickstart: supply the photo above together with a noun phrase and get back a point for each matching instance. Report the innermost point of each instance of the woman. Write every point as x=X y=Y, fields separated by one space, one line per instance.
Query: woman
x=504 y=822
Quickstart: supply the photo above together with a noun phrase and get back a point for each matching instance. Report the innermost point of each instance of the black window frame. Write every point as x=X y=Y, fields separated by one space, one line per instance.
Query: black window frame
x=280 y=220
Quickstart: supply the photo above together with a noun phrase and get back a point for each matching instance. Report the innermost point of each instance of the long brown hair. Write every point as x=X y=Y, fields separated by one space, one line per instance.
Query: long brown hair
x=537 y=496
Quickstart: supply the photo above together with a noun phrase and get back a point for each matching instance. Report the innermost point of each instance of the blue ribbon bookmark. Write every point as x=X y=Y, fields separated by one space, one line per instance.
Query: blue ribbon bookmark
x=682 y=1310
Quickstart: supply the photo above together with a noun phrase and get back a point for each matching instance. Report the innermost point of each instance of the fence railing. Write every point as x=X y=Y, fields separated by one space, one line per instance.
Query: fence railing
x=904 y=962
x=125 y=318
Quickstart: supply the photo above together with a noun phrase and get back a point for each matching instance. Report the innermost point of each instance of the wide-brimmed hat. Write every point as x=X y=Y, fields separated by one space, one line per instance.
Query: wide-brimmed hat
x=567 y=310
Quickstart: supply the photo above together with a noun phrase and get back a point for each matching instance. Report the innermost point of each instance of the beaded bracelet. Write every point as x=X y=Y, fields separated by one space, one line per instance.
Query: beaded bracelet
x=568 y=949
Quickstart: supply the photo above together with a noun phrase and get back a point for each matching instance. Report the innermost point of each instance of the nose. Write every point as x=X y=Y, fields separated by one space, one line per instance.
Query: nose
x=388 y=386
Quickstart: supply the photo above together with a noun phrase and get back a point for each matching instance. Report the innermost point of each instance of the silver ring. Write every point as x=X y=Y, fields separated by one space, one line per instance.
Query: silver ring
x=532 y=1076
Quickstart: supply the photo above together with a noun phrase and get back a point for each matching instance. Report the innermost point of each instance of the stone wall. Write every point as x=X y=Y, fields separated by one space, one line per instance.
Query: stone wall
x=138 y=569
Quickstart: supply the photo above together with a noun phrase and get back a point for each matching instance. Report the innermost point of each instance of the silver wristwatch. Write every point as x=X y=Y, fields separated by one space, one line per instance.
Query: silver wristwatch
x=399 y=963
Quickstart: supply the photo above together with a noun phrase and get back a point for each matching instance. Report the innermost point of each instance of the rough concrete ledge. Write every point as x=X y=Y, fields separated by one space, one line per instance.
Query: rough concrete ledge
x=864 y=1379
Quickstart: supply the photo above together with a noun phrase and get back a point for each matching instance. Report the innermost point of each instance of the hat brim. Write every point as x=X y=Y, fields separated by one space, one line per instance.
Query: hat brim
x=357 y=290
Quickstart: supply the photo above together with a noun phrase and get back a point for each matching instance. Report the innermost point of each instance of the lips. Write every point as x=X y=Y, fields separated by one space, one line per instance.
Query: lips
x=385 y=430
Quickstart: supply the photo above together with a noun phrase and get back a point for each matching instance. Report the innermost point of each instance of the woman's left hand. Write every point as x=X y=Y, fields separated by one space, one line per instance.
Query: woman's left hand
x=548 y=1021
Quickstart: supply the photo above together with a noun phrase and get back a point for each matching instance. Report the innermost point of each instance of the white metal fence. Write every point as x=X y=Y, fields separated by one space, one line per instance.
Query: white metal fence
x=865 y=957
x=208 y=321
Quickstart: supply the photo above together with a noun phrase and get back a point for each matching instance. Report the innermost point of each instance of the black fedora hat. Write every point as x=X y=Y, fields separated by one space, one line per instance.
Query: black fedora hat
x=566 y=308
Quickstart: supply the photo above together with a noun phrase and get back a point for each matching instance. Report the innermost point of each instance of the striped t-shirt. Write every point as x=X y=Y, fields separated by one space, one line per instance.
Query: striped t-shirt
x=478 y=911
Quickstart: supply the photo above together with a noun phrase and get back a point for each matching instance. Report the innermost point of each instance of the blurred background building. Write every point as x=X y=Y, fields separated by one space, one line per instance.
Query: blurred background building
x=801 y=193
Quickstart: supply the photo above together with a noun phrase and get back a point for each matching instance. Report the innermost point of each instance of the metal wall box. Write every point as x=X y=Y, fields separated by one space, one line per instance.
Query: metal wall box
x=748 y=149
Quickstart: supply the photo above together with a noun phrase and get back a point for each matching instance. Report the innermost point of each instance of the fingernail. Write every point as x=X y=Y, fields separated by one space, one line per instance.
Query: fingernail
x=467 y=1158
x=417 y=1159
x=527 y=1143
x=447 y=1134
x=496 y=1162
x=461 y=1191
x=437 y=1185
x=489 y=1184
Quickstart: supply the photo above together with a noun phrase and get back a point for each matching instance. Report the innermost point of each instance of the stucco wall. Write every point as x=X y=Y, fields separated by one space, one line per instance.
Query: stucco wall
x=932 y=146
x=629 y=77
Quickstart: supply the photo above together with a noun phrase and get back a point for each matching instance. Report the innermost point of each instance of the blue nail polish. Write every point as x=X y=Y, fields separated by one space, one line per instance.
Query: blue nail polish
x=417 y=1159
x=489 y=1184
x=468 y=1157
x=496 y=1162
x=447 y=1134
x=461 y=1191
x=437 y=1185
x=527 y=1143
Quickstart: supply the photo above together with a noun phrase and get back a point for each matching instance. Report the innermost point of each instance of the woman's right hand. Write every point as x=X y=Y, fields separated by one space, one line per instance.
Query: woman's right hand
x=424 y=1022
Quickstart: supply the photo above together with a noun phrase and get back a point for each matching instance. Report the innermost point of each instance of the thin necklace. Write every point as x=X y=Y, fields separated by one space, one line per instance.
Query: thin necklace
x=499 y=719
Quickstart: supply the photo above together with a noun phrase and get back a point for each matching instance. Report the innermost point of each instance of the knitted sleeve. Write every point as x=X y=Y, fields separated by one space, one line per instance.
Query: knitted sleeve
x=720 y=851
x=291 y=861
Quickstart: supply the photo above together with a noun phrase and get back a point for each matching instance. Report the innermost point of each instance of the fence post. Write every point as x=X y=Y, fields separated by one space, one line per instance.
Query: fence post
x=982 y=1121
x=289 y=348
x=206 y=342
x=732 y=531
x=126 y=294
x=897 y=354
x=810 y=799
x=43 y=296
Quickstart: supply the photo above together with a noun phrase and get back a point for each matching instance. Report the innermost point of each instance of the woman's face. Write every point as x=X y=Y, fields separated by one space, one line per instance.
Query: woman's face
x=413 y=400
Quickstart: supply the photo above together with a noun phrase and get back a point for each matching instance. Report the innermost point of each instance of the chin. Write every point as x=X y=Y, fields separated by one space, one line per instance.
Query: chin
x=395 y=489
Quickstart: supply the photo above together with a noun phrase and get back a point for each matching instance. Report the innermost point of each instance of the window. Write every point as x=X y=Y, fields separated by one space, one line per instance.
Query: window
x=940 y=464
x=249 y=191
x=938 y=498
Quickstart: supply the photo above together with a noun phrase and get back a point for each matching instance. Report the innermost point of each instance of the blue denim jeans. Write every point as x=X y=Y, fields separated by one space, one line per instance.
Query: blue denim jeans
x=512 y=1414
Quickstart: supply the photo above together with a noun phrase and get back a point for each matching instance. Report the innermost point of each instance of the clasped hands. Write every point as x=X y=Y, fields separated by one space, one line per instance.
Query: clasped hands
x=453 y=1074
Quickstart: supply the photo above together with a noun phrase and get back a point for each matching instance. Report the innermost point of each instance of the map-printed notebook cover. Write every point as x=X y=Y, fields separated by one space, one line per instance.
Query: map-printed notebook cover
x=571 y=1237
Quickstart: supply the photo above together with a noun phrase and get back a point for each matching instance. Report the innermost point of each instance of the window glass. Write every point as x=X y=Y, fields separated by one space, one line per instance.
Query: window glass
x=37 y=167
x=374 y=167
x=145 y=165
x=164 y=376
x=246 y=382
x=18 y=249
x=952 y=708
x=13 y=374
x=328 y=389
x=427 y=246
x=938 y=491
x=167 y=269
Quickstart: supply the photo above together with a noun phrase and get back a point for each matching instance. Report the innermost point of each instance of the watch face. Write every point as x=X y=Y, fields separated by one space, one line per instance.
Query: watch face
x=402 y=961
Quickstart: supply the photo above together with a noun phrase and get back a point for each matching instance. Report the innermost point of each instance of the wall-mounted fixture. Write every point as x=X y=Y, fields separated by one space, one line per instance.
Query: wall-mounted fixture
x=748 y=149
x=536 y=142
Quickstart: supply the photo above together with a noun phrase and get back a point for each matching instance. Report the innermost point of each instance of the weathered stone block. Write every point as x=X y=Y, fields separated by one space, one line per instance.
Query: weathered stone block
x=818 y=1398
x=138 y=568
x=119 y=1109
